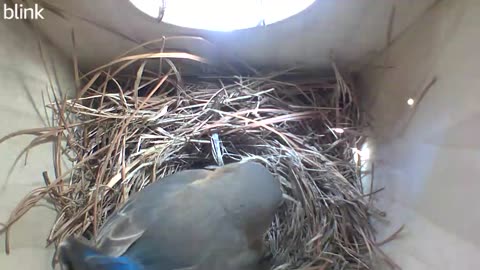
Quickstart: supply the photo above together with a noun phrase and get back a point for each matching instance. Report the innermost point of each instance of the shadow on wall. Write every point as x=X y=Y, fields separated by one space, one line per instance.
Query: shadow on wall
x=24 y=77
x=354 y=29
x=427 y=156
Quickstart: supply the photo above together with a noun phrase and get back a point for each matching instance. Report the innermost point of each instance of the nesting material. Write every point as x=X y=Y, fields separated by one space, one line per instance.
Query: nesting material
x=124 y=131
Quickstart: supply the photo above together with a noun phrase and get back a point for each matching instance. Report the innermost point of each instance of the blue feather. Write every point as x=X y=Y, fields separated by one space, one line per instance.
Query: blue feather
x=112 y=263
x=78 y=255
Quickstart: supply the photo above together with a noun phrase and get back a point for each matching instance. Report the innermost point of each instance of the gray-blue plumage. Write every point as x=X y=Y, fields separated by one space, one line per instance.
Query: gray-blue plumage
x=194 y=219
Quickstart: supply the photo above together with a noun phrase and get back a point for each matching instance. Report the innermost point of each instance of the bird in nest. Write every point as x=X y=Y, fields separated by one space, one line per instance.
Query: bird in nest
x=191 y=220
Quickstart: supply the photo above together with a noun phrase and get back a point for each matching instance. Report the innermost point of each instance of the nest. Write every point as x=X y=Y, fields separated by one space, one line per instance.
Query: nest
x=124 y=130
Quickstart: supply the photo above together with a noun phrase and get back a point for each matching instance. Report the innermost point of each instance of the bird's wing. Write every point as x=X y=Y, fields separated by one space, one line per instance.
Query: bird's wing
x=193 y=230
x=131 y=221
x=190 y=219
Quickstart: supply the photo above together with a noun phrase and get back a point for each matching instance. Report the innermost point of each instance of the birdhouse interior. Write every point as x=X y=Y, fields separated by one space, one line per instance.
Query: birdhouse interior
x=239 y=135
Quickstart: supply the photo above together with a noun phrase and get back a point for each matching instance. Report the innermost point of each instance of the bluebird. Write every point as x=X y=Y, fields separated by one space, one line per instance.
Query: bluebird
x=192 y=220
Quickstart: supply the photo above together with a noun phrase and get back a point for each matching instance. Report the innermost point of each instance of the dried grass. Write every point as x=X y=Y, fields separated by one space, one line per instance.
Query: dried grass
x=124 y=131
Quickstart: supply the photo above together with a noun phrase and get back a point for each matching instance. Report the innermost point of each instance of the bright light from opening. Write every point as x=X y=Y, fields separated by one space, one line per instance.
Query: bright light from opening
x=410 y=101
x=222 y=15
x=338 y=130
x=364 y=154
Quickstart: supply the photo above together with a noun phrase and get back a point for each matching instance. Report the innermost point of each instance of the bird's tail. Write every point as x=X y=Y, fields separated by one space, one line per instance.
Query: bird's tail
x=76 y=254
